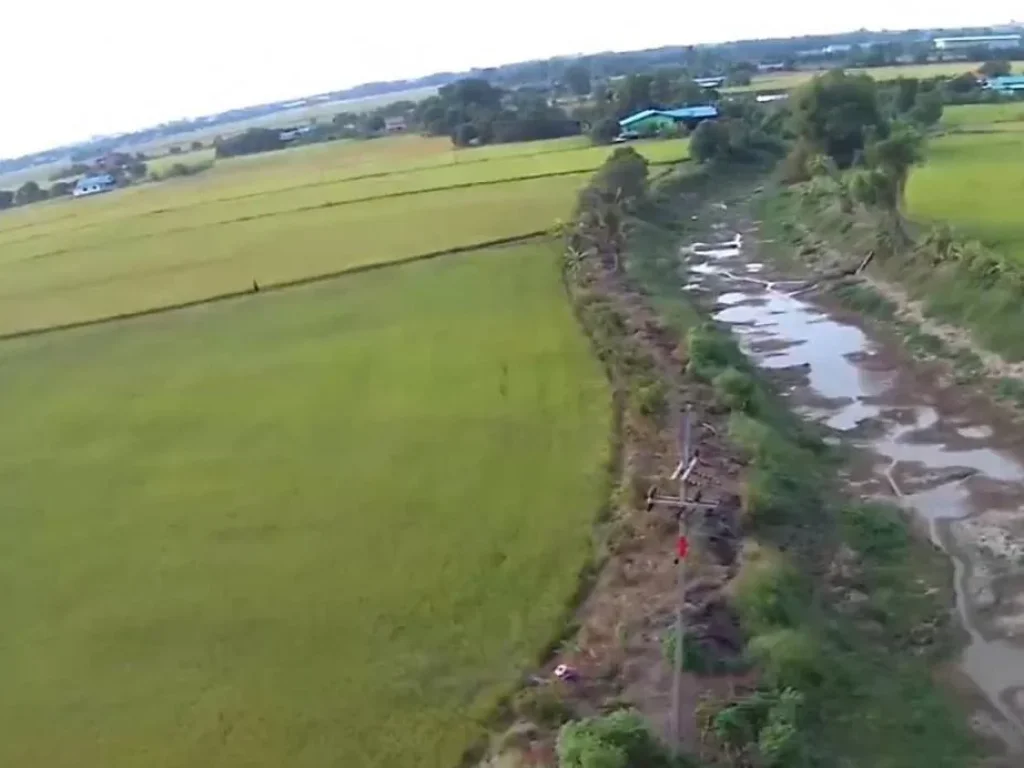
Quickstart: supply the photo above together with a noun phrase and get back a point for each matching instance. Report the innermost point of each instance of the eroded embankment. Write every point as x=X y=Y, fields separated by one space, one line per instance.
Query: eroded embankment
x=921 y=440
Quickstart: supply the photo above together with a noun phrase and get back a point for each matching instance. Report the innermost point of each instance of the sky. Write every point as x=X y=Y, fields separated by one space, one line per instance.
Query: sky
x=77 y=68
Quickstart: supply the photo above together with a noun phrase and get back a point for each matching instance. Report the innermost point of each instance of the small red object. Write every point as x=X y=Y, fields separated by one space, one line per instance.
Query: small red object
x=682 y=547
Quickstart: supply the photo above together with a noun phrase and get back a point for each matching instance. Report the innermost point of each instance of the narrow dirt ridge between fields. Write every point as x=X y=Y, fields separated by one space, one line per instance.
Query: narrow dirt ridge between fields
x=939 y=451
x=264 y=288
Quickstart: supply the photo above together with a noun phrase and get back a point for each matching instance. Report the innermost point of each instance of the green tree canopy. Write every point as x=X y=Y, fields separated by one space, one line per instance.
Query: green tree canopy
x=604 y=130
x=29 y=192
x=619 y=740
x=577 y=78
x=836 y=112
x=995 y=68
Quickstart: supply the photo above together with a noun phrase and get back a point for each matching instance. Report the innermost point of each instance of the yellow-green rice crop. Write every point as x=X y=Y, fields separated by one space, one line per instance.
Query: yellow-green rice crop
x=324 y=526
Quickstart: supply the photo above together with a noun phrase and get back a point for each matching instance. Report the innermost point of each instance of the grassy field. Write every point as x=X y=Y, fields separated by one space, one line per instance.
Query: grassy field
x=326 y=524
x=784 y=81
x=1008 y=116
x=975 y=182
x=274 y=221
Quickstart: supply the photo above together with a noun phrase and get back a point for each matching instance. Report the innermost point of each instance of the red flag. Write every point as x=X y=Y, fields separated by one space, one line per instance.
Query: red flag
x=682 y=547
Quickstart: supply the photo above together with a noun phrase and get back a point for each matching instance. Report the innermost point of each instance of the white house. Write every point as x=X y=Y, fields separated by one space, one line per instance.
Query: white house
x=991 y=42
x=93 y=185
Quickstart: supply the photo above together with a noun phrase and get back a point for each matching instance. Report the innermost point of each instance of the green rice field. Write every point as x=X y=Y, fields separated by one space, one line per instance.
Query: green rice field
x=974 y=182
x=331 y=524
x=188 y=239
x=784 y=81
x=1008 y=116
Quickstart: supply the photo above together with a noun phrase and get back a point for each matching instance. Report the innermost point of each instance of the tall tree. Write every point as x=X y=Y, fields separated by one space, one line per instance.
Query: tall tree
x=836 y=112
x=883 y=183
x=577 y=78
x=29 y=192
x=995 y=68
x=633 y=93
x=664 y=88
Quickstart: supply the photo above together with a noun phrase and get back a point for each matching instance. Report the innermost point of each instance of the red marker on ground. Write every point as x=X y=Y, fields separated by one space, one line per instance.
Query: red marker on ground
x=682 y=547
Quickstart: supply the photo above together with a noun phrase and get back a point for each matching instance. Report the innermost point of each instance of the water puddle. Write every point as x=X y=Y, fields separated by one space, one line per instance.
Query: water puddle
x=955 y=465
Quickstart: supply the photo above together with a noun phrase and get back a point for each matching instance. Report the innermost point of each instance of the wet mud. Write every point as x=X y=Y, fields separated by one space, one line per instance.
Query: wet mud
x=942 y=452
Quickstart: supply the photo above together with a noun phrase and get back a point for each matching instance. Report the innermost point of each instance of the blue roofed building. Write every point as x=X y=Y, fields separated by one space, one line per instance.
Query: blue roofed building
x=651 y=121
x=1006 y=84
x=93 y=185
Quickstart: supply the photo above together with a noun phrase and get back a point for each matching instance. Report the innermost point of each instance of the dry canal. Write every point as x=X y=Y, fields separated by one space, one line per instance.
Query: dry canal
x=940 y=451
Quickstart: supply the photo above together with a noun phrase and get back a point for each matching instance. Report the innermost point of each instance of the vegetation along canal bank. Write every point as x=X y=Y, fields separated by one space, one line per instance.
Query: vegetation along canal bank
x=820 y=627
x=859 y=604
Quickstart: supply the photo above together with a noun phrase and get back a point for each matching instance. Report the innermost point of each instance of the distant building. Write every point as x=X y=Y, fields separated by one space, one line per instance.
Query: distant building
x=290 y=134
x=710 y=82
x=1008 y=84
x=991 y=42
x=654 y=120
x=768 y=98
x=93 y=185
x=394 y=124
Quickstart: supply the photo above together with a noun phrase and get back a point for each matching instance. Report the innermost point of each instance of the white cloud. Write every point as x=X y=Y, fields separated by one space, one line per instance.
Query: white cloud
x=76 y=69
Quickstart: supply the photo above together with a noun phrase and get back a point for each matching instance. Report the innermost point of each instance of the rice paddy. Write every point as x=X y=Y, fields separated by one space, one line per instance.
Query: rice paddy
x=974 y=180
x=324 y=525
x=192 y=238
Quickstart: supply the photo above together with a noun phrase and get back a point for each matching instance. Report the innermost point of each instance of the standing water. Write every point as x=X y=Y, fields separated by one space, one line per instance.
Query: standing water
x=947 y=459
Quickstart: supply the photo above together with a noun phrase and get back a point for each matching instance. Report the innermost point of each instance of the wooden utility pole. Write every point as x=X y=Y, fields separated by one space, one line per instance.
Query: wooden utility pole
x=682 y=505
x=677 y=672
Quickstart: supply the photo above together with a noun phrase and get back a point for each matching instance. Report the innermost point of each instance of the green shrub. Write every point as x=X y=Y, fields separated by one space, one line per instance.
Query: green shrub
x=541 y=705
x=767 y=718
x=875 y=530
x=779 y=741
x=711 y=351
x=789 y=658
x=696 y=659
x=782 y=488
x=768 y=591
x=650 y=399
x=619 y=740
x=736 y=390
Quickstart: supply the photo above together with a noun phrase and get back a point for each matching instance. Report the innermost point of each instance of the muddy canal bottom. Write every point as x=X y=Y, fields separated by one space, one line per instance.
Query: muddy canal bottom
x=949 y=458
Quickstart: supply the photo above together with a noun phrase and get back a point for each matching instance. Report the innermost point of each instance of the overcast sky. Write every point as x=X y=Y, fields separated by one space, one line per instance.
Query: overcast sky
x=75 y=68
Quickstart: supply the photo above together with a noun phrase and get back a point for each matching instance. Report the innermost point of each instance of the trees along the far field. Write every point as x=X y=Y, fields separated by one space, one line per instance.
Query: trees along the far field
x=577 y=78
x=996 y=68
x=29 y=192
x=836 y=112
x=604 y=130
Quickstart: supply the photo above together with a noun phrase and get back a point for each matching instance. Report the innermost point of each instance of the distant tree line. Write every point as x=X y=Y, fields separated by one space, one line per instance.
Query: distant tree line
x=473 y=111
x=249 y=142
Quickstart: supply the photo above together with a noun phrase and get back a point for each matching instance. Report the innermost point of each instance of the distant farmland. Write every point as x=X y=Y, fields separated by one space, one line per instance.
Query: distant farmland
x=784 y=81
x=279 y=221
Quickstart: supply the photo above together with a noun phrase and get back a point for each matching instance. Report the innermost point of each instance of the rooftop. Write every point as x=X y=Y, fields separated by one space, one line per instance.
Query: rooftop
x=682 y=113
x=103 y=178
x=977 y=38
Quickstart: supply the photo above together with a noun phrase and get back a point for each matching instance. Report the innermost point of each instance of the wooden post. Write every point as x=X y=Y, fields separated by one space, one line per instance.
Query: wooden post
x=677 y=672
